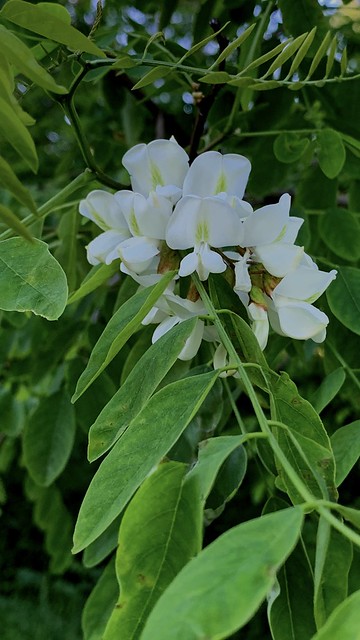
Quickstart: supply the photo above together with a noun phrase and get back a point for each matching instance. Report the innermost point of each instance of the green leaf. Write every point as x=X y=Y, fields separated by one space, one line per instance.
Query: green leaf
x=285 y=54
x=140 y=448
x=12 y=413
x=15 y=132
x=332 y=152
x=346 y=446
x=31 y=279
x=328 y=389
x=229 y=478
x=232 y=46
x=124 y=62
x=9 y=180
x=331 y=56
x=203 y=601
x=154 y=74
x=290 y=601
x=98 y=550
x=340 y=230
x=302 y=16
x=344 y=298
x=12 y=221
x=96 y=277
x=202 y=43
x=289 y=147
x=216 y=77
x=323 y=47
x=49 y=438
x=149 y=558
x=137 y=389
x=344 y=622
x=66 y=253
x=306 y=428
x=39 y=19
x=100 y=603
x=301 y=53
x=332 y=564
x=24 y=61
x=122 y=325
x=212 y=454
x=352 y=515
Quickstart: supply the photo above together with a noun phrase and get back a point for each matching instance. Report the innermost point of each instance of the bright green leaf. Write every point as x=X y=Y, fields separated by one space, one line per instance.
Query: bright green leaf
x=124 y=62
x=10 y=181
x=31 y=279
x=137 y=389
x=232 y=46
x=285 y=54
x=323 y=47
x=154 y=74
x=24 y=61
x=219 y=591
x=332 y=152
x=96 y=277
x=344 y=298
x=344 y=622
x=15 y=132
x=346 y=446
x=39 y=19
x=216 y=77
x=122 y=325
x=49 y=438
x=149 y=557
x=98 y=550
x=12 y=221
x=140 y=448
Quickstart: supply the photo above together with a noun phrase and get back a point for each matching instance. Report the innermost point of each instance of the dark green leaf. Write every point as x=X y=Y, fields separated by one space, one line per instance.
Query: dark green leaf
x=154 y=74
x=12 y=221
x=328 y=389
x=100 y=603
x=340 y=230
x=344 y=298
x=289 y=147
x=346 y=446
x=49 y=437
x=98 y=550
x=332 y=152
x=96 y=277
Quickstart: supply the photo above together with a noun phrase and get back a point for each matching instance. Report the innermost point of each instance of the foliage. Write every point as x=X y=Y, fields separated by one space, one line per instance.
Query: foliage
x=217 y=493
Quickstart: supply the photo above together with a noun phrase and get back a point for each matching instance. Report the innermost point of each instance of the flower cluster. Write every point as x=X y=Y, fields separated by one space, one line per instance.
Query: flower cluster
x=195 y=219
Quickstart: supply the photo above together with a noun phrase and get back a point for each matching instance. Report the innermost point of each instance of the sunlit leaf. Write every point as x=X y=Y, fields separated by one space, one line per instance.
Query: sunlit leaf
x=31 y=279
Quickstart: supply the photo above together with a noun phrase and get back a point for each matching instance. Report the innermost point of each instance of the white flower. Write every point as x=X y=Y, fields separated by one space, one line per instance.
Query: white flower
x=159 y=166
x=102 y=208
x=291 y=312
x=213 y=174
x=271 y=232
x=221 y=360
x=170 y=310
x=202 y=223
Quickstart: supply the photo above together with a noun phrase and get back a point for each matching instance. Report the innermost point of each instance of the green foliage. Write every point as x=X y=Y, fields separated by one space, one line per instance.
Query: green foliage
x=186 y=525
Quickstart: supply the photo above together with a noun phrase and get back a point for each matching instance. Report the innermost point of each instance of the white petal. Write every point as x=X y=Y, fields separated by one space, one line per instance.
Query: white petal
x=102 y=208
x=292 y=229
x=260 y=323
x=170 y=192
x=149 y=276
x=242 y=277
x=137 y=253
x=102 y=248
x=184 y=308
x=267 y=224
x=305 y=283
x=279 y=258
x=301 y=320
x=220 y=360
x=188 y=264
x=160 y=163
x=193 y=342
x=212 y=173
x=164 y=327
x=181 y=228
x=212 y=262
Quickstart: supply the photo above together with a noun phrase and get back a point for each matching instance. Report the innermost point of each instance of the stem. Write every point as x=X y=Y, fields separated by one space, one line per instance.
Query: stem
x=337 y=524
x=343 y=362
x=54 y=202
x=262 y=420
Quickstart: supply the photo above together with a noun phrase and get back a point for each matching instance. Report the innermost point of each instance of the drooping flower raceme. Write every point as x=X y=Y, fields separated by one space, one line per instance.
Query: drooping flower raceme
x=195 y=219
